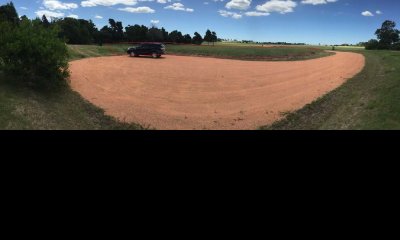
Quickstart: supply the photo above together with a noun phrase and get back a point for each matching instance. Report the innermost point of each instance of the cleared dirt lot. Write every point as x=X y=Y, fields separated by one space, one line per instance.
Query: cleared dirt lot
x=179 y=92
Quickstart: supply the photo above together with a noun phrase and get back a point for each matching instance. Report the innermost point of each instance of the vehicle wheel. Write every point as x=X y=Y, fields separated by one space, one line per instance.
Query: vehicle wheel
x=158 y=56
x=132 y=54
x=154 y=55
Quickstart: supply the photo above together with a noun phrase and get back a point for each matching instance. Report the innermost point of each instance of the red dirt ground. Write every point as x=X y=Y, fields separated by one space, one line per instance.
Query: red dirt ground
x=177 y=92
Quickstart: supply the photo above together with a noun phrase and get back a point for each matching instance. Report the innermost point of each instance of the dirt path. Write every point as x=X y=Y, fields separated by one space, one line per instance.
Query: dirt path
x=179 y=92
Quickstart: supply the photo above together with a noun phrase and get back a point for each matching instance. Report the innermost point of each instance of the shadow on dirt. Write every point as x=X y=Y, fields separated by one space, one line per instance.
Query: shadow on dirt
x=158 y=58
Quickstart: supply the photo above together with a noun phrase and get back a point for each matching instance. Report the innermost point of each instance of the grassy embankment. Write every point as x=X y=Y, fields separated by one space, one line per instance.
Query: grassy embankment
x=370 y=100
x=22 y=107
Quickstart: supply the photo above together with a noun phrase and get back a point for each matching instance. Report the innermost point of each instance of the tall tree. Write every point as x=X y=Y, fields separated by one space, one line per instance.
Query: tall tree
x=387 y=34
x=197 y=39
x=119 y=31
x=24 y=18
x=176 y=37
x=214 y=37
x=208 y=37
x=77 y=31
x=155 y=35
x=8 y=13
x=45 y=22
x=106 y=35
x=187 y=38
x=136 y=33
x=165 y=35
x=113 y=28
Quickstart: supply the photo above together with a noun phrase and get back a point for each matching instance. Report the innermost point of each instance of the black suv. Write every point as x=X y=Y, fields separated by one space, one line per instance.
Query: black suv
x=153 y=49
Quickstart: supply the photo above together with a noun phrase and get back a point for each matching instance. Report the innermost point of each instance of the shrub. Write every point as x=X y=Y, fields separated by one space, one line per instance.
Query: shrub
x=372 y=44
x=33 y=54
x=396 y=46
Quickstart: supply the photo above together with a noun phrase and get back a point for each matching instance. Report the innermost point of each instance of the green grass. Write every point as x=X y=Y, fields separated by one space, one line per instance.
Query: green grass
x=371 y=100
x=86 y=51
x=342 y=48
x=281 y=53
x=240 y=52
x=23 y=108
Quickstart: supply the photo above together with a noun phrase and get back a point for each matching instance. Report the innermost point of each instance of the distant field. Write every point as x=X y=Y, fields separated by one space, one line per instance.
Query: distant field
x=244 y=52
x=342 y=48
x=85 y=51
x=237 y=44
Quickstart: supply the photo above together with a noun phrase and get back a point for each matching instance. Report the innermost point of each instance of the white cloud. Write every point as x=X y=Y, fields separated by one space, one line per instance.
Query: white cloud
x=107 y=3
x=256 y=14
x=137 y=10
x=58 y=5
x=73 y=16
x=367 y=14
x=280 y=6
x=318 y=2
x=230 y=14
x=238 y=4
x=49 y=14
x=179 y=7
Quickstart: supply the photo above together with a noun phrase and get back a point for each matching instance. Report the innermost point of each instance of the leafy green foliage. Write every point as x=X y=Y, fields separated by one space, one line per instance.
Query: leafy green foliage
x=388 y=35
x=176 y=37
x=208 y=36
x=45 y=22
x=8 y=13
x=33 y=53
x=155 y=35
x=137 y=33
x=197 y=39
x=187 y=38
x=372 y=44
x=76 y=31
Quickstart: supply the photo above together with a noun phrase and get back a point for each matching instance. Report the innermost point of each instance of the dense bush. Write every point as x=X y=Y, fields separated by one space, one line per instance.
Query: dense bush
x=197 y=39
x=372 y=44
x=33 y=53
x=8 y=13
x=396 y=46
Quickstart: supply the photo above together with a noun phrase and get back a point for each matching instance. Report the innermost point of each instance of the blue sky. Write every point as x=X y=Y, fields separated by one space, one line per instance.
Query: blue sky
x=308 y=21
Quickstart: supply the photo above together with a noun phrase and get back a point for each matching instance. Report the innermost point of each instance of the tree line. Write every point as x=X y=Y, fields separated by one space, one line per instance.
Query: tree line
x=81 y=31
